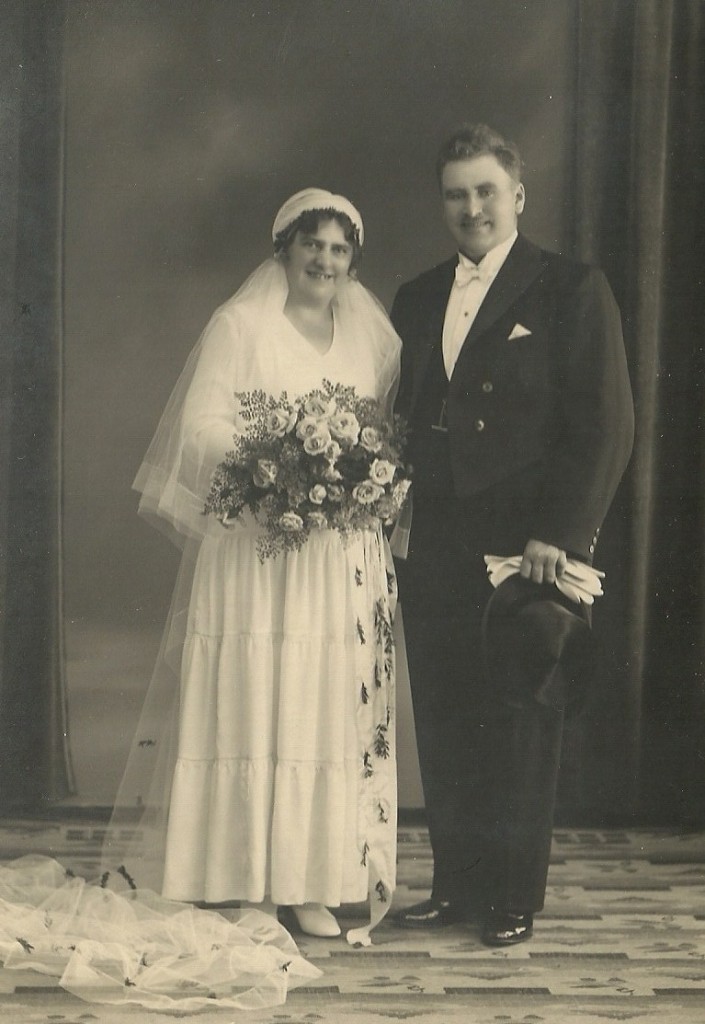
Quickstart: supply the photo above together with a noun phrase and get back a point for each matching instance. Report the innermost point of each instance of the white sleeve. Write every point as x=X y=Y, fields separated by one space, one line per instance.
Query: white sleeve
x=208 y=420
x=194 y=434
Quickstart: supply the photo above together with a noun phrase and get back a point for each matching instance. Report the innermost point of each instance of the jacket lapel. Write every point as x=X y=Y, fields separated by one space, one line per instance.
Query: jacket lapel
x=521 y=267
x=431 y=330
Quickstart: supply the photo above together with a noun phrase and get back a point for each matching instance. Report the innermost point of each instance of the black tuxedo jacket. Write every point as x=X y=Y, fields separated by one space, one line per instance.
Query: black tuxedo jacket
x=551 y=409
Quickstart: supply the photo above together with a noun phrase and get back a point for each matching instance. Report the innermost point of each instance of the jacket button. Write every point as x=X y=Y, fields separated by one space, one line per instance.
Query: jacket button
x=479 y=425
x=591 y=549
x=487 y=387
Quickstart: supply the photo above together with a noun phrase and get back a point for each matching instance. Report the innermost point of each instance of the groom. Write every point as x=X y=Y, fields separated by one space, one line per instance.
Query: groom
x=515 y=386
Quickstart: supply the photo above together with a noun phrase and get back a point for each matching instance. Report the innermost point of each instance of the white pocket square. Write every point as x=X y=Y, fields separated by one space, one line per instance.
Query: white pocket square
x=519 y=331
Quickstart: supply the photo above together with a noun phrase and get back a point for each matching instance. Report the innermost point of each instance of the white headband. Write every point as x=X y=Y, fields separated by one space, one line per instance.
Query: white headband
x=315 y=199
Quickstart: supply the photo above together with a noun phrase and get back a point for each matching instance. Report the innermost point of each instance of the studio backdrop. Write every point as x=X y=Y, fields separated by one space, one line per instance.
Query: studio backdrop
x=172 y=133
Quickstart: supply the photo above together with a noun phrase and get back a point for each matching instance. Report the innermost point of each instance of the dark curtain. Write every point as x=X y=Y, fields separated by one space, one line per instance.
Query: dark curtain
x=640 y=189
x=34 y=763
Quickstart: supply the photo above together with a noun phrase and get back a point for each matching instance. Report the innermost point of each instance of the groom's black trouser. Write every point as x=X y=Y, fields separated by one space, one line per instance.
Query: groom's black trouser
x=489 y=771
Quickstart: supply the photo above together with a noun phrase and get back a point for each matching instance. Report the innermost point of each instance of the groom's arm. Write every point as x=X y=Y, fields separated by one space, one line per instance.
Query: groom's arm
x=592 y=447
x=403 y=320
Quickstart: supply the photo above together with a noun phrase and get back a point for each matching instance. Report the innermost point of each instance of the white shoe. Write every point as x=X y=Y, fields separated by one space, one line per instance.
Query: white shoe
x=315 y=919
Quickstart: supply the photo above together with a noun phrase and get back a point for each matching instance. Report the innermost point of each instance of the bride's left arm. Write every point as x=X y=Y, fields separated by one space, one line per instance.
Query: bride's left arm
x=209 y=416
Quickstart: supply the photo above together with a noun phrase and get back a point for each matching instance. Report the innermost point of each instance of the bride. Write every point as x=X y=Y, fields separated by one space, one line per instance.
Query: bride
x=255 y=778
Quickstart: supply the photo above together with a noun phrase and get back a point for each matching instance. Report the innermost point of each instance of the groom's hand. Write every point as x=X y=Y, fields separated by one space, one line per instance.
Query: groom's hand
x=542 y=563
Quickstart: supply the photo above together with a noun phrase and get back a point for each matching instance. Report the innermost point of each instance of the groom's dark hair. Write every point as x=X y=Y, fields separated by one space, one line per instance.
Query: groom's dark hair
x=471 y=140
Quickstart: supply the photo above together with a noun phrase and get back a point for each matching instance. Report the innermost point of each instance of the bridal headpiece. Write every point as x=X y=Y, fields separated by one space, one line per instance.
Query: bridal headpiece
x=316 y=199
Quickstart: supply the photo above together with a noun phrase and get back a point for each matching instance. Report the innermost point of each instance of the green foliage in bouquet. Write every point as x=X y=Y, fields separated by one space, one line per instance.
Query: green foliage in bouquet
x=329 y=460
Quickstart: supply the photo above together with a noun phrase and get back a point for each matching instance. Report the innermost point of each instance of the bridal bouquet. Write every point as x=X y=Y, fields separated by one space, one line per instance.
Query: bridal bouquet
x=326 y=460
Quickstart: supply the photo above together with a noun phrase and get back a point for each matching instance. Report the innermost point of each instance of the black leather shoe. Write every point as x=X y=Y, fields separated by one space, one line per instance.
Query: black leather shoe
x=503 y=928
x=431 y=913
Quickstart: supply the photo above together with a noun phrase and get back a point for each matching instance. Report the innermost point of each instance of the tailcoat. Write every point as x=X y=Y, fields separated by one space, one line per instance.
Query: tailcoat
x=528 y=439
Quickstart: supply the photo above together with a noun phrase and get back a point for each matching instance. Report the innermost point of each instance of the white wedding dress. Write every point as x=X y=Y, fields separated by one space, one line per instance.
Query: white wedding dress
x=284 y=784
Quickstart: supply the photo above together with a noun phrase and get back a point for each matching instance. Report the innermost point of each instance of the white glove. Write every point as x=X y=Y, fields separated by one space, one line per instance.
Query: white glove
x=579 y=582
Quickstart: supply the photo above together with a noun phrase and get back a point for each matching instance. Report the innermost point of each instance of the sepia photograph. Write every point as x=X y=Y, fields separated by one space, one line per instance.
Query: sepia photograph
x=352 y=511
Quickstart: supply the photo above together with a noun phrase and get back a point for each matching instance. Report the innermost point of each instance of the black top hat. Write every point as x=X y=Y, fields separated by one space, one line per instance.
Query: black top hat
x=538 y=646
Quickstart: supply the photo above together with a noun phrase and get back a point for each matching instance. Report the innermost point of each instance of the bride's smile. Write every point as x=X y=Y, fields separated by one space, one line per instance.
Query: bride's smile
x=315 y=263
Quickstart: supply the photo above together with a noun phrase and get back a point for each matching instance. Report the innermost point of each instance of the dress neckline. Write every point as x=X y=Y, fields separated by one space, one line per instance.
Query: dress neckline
x=308 y=345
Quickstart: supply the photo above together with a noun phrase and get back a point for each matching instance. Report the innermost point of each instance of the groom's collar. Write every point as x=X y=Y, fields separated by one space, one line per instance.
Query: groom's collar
x=491 y=262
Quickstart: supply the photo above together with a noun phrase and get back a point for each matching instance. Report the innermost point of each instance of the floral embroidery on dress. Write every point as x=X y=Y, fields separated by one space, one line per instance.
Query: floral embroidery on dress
x=374 y=601
x=124 y=873
x=381 y=742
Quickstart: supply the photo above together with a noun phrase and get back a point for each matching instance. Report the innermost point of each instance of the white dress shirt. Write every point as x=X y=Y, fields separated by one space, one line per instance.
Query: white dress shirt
x=466 y=296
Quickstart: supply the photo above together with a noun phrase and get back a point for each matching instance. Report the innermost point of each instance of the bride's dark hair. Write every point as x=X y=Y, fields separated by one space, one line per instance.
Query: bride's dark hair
x=309 y=221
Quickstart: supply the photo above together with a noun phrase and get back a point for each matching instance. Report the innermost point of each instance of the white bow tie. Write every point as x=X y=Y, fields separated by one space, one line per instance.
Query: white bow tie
x=464 y=274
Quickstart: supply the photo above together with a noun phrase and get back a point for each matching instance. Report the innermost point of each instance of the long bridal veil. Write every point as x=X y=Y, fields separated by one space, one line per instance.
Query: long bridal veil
x=137 y=948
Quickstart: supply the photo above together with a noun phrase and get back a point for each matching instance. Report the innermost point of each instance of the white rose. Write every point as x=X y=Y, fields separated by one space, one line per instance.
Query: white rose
x=370 y=439
x=317 y=494
x=307 y=426
x=345 y=427
x=332 y=474
x=280 y=421
x=291 y=522
x=316 y=444
x=367 y=492
x=382 y=472
x=318 y=407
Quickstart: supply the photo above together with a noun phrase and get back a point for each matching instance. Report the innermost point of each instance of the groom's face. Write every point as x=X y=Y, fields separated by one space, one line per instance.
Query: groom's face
x=481 y=203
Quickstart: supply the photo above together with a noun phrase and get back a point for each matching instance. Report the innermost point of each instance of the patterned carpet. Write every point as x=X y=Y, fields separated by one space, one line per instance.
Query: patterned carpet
x=622 y=938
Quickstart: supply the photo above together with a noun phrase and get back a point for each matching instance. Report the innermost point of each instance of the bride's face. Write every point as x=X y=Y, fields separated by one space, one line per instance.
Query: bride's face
x=316 y=263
